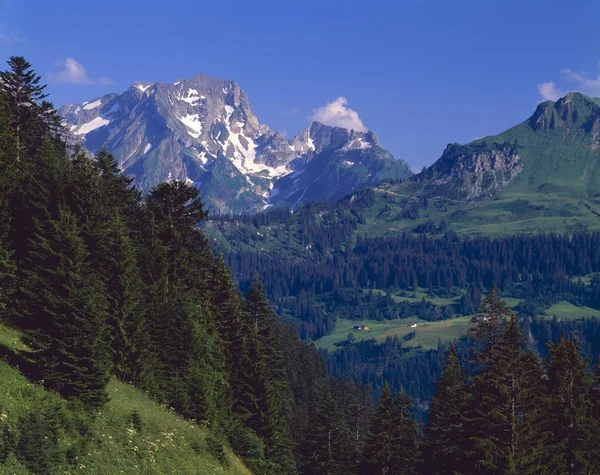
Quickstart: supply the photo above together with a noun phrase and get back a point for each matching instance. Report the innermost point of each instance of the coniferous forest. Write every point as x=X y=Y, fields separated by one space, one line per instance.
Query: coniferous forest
x=101 y=284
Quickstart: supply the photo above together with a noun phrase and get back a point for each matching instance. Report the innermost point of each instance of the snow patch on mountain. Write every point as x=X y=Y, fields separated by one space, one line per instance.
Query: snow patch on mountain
x=143 y=87
x=192 y=97
x=192 y=122
x=207 y=131
x=93 y=124
x=92 y=105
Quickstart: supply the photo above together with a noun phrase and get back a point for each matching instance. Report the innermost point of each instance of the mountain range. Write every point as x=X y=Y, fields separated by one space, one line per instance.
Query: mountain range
x=202 y=131
x=541 y=175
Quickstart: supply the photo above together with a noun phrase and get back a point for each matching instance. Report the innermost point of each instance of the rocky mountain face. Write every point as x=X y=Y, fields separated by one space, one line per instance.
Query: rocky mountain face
x=474 y=171
x=202 y=130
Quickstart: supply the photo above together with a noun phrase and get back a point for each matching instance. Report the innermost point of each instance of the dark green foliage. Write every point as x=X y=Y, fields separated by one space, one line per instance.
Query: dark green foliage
x=444 y=432
x=492 y=314
x=68 y=332
x=263 y=344
x=327 y=447
x=30 y=115
x=38 y=439
x=569 y=411
x=503 y=426
x=392 y=447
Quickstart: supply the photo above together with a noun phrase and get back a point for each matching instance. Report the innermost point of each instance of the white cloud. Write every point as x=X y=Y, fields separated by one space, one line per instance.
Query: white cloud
x=336 y=114
x=578 y=81
x=73 y=72
x=549 y=91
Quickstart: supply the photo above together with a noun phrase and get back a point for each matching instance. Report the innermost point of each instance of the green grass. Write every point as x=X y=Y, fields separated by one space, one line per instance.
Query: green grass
x=510 y=302
x=585 y=279
x=426 y=333
x=567 y=311
x=417 y=296
x=166 y=444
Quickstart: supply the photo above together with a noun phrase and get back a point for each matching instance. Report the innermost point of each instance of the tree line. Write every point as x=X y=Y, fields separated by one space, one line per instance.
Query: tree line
x=103 y=282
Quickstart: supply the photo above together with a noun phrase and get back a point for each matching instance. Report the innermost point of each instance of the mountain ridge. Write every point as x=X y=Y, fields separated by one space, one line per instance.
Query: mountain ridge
x=201 y=130
x=541 y=175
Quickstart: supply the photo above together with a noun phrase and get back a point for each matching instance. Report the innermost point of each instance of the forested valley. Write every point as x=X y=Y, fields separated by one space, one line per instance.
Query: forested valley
x=105 y=292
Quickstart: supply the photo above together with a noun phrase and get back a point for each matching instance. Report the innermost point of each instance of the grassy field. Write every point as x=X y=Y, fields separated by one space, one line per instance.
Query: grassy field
x=165 y=444
x=568 y=311
x=426 y=333
x=417 y=296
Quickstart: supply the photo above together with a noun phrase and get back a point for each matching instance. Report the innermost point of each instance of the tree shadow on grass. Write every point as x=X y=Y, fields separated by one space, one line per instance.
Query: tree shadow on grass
x=20 y=360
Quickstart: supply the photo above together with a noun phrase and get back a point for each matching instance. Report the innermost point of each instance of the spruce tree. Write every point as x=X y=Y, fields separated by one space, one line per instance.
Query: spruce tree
x=226 y=304
x=392 y=446
x=67 y=330
x=379 y=450
x=31 y=116
x=207 y=375
x=503 y=429
x=594 y=401
x=124 y=291
x=327 y=447
x=405 y=436
x=271 y=387
x=569 y=413
x=444 y=432
x=492 y=316
x=8 y=181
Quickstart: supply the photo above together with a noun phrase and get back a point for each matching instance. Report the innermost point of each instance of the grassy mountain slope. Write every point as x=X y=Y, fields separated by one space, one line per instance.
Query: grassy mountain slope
x=539 y=176
x=161 y=442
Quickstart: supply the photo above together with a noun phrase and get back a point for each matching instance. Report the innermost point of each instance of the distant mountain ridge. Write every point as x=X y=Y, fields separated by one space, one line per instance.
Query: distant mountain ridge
x=202 y=130
x=542 y=175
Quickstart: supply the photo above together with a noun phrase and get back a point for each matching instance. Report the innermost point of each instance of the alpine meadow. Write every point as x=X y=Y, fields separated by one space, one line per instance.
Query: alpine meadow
x=191 y=285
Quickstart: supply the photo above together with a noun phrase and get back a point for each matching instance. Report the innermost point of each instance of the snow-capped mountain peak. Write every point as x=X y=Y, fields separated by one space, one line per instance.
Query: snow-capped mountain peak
x=202 y=130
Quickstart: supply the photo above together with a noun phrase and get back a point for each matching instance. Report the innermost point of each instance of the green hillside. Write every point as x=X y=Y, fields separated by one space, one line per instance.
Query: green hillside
x=539 y=176
x=132 y=434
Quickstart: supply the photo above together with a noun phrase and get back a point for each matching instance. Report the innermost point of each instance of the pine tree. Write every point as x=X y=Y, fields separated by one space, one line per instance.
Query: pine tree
x=392 y=447
x=485 y=335
x=444 y=432
x=503 y=429
x=67 y=332
x=568 y=413
x=271 y=387
x=379 y=450
x=405 y=436
x=327 y=447
x=31 y=116
x=594 y=402
x=206 y=374
x=124 y=291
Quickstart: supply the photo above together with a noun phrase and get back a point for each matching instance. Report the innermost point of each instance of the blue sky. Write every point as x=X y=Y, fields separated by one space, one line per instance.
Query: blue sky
x=420 y=74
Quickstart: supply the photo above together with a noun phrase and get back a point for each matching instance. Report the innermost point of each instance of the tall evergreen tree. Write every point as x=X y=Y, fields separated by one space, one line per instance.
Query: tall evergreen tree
x=272 y=403
x=67 y=331
x=492 y=315
x=392 y=447
x=380 y=450
x=327 y=448
x=568 y=413
x=7 y=184
x=503 y=429
x=30 y=114
x=207 y=374
x=444 y=432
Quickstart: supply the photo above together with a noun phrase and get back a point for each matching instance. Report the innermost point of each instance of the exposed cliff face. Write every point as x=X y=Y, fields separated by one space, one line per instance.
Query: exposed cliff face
x=474 y=171
x=202 y=131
